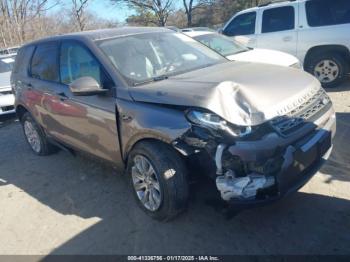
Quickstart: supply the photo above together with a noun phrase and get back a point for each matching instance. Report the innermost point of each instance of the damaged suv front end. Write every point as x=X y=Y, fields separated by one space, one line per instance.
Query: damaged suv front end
x=262 y=163
x=265 y=136
x=259 y=131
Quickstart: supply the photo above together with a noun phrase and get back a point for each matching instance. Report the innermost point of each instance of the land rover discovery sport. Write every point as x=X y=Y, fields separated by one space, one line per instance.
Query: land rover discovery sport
x=149 y=100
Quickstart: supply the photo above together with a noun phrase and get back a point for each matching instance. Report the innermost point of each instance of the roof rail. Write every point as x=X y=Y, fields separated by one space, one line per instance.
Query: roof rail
x=269 y=2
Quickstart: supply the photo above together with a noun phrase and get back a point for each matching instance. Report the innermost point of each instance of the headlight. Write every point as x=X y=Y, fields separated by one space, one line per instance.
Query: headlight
x=215 y=122
x=297 y=65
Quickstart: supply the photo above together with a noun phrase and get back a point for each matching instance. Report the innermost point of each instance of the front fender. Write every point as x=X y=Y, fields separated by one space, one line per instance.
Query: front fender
x=138 y=121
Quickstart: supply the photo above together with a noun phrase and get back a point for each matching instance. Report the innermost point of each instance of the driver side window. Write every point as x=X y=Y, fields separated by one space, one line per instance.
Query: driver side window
x=76 y=62
x=243 y=24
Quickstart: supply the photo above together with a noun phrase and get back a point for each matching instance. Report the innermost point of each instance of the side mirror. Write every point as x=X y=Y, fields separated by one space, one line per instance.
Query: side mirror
x=86 y=86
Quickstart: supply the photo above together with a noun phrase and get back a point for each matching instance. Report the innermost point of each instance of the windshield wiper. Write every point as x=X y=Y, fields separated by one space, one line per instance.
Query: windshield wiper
x=241 y=51
x=154 y=79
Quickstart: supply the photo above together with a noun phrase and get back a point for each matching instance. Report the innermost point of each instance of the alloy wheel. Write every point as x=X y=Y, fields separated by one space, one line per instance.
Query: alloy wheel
x=146 y=183
x=32 y=136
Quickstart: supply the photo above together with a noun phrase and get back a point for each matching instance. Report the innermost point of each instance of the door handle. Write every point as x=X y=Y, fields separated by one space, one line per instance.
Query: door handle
x=62 y=96
x=287 y=38
x=28 y=85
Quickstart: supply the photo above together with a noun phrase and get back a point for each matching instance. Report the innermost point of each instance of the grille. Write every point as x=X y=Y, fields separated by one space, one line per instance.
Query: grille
x=4 y=93
x=6 y=108
x=291 y=121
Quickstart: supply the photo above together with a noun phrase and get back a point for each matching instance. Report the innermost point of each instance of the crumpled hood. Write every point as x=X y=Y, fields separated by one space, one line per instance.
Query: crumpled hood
x=265 y=56
x=5 y=80
x=241 y=93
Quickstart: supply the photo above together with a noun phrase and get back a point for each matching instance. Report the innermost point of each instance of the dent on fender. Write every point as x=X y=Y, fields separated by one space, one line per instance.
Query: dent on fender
x=138 y=121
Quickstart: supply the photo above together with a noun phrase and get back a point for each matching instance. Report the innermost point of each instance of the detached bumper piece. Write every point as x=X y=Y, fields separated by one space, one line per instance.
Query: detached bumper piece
x=232 y=187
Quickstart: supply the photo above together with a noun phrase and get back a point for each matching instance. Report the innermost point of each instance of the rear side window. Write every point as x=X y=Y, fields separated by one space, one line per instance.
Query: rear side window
x=325 y=12
x=17 y=64
x=44 y=64
x=278 y=19
x=243 y=24
x=22 y=60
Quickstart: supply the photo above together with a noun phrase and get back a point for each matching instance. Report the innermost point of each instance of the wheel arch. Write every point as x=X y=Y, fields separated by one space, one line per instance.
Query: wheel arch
x=20 y=111
x=144 y=138
x=321 y=49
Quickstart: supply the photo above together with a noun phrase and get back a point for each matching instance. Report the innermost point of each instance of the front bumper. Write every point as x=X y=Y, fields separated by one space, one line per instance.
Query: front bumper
x=299 y=157
x=301 y=179
x=7 y=102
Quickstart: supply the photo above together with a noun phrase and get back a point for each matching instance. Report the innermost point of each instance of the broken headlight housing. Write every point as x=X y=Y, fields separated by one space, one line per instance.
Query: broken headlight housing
x=214 y=122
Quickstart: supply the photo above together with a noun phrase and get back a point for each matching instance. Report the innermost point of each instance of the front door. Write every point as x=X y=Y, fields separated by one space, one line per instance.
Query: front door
x=87 y=123
x=242 y=29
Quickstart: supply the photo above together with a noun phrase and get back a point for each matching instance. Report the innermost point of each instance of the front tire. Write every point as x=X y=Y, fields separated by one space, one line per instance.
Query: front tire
x=330 y=69
x=35 y=136
x=159 y=180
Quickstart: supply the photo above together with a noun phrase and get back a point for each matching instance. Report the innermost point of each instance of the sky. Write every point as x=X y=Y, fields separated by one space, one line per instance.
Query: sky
x=108 y=11
x=103 y=9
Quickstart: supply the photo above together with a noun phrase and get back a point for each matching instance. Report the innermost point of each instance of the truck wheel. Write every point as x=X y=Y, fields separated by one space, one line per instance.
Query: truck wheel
x=330 y=69
x=36 y=137
x=159 y=180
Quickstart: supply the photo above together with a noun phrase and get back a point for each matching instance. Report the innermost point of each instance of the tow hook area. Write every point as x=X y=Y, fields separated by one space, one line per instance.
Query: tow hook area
x=232 y=186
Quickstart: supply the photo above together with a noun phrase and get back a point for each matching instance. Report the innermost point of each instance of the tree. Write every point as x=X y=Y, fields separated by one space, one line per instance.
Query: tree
x=160 y=8
x=16 y=15
x=142 y=18
x=26 y=20
x=79 y=13
x=191 y=5
x=219 y=12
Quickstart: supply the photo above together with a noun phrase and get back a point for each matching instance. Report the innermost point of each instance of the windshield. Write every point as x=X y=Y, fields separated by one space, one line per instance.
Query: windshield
x=154 y=56
x=221 y=44
x=6 y=64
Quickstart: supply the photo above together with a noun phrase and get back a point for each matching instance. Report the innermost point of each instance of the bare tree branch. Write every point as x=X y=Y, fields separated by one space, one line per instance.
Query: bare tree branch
x=191 y=5
x=79 y=7
x=160 y=8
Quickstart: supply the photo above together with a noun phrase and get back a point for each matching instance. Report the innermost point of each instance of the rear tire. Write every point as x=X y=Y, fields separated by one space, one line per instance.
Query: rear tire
x=164 y=183
x=35 y=136
x=329 y=68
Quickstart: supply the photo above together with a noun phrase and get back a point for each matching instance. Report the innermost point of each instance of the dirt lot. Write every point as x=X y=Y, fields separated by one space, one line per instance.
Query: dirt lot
x=72 y=205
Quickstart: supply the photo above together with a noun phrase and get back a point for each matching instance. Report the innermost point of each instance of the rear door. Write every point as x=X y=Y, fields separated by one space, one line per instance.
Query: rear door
x=243 y=28
x=42 y=81
x=278 y=28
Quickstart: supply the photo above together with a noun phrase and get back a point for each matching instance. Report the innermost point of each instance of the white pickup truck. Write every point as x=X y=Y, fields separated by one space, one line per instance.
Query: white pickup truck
x=315 y=31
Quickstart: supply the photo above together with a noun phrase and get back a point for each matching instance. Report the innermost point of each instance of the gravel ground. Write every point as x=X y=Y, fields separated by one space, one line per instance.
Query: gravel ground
x=72 y=205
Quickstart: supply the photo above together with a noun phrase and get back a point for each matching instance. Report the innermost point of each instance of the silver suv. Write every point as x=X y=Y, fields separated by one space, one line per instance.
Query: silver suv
x=315 y=31
x=159 y=106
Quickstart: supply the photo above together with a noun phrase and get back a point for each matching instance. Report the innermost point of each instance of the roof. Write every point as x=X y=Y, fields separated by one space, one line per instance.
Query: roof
x=269 y=4
x=100 y=34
